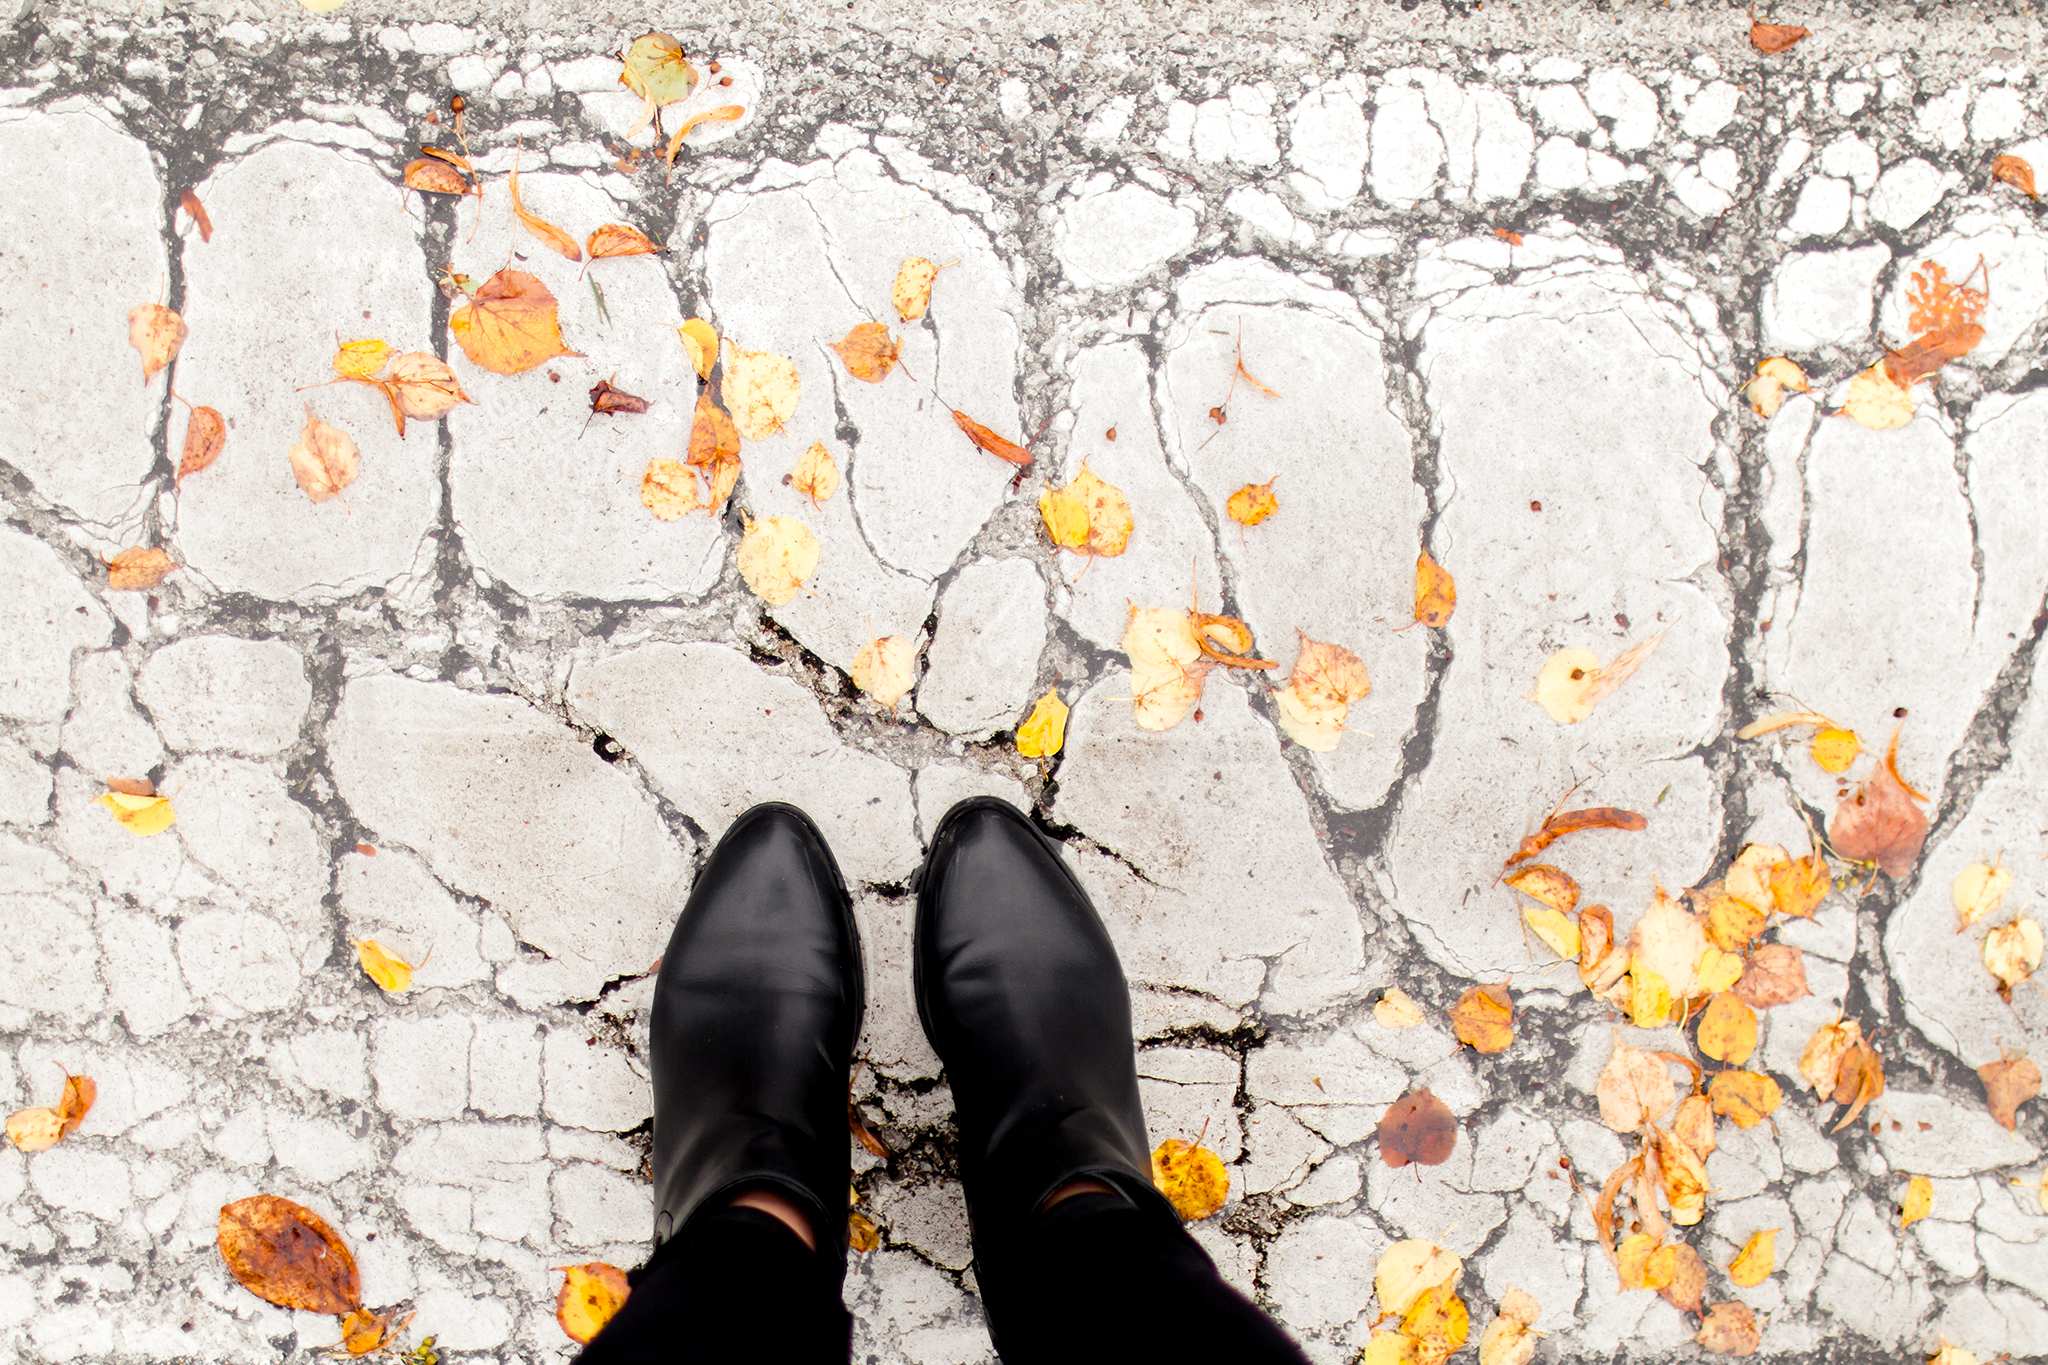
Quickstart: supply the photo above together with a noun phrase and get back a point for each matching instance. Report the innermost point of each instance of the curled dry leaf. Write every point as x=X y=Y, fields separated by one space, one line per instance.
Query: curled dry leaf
x=668 y=489
x=1744 y=1098
x=1766 y=391
x=816 y=475
x=1730 y=1329
x=1166 y=666
x=2009 y=1083
x=883 y=669
x=912 y=291
x=1397 y=1009
x=1774 y=975
x=1408 y=1270
x=1858 y=1081
x=138 y=568
x=325 y=460
x=550 y=236
x=1417 y=1128
x=141 y=816
x=607 y=399
x=861 y=1233
x=196 y=211
x=1880 y=821
x=2012 y=952
x=868 y=352
x=589 y=1298
x=1484 y=1018
x=363 y=1331
x=776 y=556
x=1757 y=1259
x=1727 y=1031
x=1089 y=516
x=761 y=390
x=1774 y=37
x=1193 y=1178
x=995 y=445
x=1876 y=401
x=1045 y=729
x=432 y=175
x=285 y=1253
x=1977 y=891
x=1923 y=355
x=724 y=113
x=700 y=343
x=1508 y=1339
x=617 y=239
x=2012 y=170
x=1572 y=681
x=1253 y=503
x=1572 y=821
x=1634 y=1089
x=1436 y=592
x=157 y=333
x=132 y=786
x=390 y=971
x=510 y=324
x=1821 y=1059
x=1553 y=886
x=206 y=435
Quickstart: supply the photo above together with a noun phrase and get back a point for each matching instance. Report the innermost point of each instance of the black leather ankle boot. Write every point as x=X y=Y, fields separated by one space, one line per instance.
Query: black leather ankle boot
x=1022 y=997
x=756 y=1012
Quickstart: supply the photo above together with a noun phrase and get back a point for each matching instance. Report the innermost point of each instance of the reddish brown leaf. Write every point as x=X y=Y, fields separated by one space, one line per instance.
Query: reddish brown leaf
x=1774 y=37
x=604 y=398
x=2015 y=171
x=2009 y=1083
x=205 y=437
x=287 y=1254
x=1774 y=975
x=1572 y=821
x=1688 y=1277
x=1418 y=1128
x=131 y=786
x=1879 y=821
x=1924 y=355
x=1858 y=1080
x=989 y=441
x=196 y=211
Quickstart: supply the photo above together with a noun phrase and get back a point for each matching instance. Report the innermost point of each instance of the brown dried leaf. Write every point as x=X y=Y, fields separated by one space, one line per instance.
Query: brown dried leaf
x=432 y=175
x=989 y=441
x=325 y=460
x=206 y=435
x=1774 y=38
x=1923 y=355
x=138 y=568
x=1418 y=1128
x=1879 y=821
x=1774 y=975
x=552 y=237
x=285 y=1253
x=606 y=399
x=2015 y=171
x=77 y=1100
x=157 y=333
x=510 y=324
x=1729 y=1329
x=1679 y=1275
x=1858 y=1081
x=2009 y=1083
x=868 y=352
x=861 y=1233
x=713 y=437
x=196 y=211
x=1484 y=1018
x=1572 y=821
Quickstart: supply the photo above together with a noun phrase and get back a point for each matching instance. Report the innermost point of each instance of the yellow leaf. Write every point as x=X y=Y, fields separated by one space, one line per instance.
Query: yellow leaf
x=668 y=488
x=1572 y=681
x=1436 y=593
x=1634 y=1089
x=1684 y=1176
x=1876 y=402
x=1408 y=1270
x=862 y=1234
x=361 y=359
x=1312 y=722
x=1437 y=1322
x=1192 y=1178
x=1166 y=675
x=1559 y=932
x=1632 y=1260
x=883 y=669
x=700 y=343
x=383 y=966
x=1799 y=886
x=776 y=556
x=1397 y=1009
x=912 y=292
x=1508 y=1339
x=1773 y=376
x=1955 y=1355
x=1649 y=998
x=761 y=391
x=363 y=1331
x=1088 y=516
x=1744 y=1098
x=1779 y=721
x=1727 y=1030
x=35 y=1130
x=510 y=324
x=1757 y=1259
x=1669 y=941
x=2012 y=952
x=1389 y=1348
x=1253 y=503
x=157 y=333
x=1484 y=1018
x=1045 y=729
x=1834 y=748
x=590 y=1296
x=1977 y=891
x=1749 y=876
x=1717 y=970
x=140 y=815
x=323 y=7
x=1918 y=1203
x=816 y=475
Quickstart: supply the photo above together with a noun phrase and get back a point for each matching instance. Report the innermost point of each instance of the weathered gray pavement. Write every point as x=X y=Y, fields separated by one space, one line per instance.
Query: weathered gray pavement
x=492 y=712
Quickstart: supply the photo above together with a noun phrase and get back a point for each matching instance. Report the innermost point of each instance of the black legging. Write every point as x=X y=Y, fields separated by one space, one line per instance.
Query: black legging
x=1094 y=1281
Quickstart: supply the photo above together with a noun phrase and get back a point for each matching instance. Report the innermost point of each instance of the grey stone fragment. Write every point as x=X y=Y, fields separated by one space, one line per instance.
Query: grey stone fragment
x=1990 y=1321
x=2022 y=1263
x=1311 y=1072
x=465 y=1180
x=238 y=821
x=1532 y=1257
x=45 y=616
x=1960 y=1138
x=1505 y=1150
x=1744 y=1162
x=1819 y=1206
x=1880 y=1307
x=427 y=765
x=1278 y=1150
x=239 y=961
x=901 y=1304
x=421 y=1065
x=592 y=1086
x=1335 y=1181
x=1406 y=150
x=1189 y=1092
x=504 y=1067
x=1867 y=1235
x=49 y=959
x=1436 y=1202
x=103 y=734
x=596 y=1207
x=1115 y=236
x=1952 y=1246
x=25 y=785
x=892 y=1039
x=2010 y=1210
x=222 y=692
x=931 y=1218
x=983 y=658
x=134 y=951
x=1319 y=1274
x=938 y=787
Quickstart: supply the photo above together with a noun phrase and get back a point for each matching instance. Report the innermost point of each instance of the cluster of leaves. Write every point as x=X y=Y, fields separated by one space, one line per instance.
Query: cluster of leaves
x=1416 y=1284
x=285 y=1253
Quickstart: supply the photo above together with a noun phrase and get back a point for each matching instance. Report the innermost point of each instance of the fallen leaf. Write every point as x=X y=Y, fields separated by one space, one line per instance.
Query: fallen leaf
x=1923 y=355
x=1821 y=1060
x=1729 y=1329
x=761 y=390
x=1192 y=1178
x=1389 y=1348
x=420 y=385
x=1749 y=876
x=668 y=489
x=606 y=399
x=883 y=669
x=700 y=343
x=431 y=175
x=816 y=475
x=510 y=324
x=617 y=239
x=35 y=1130
x=713 y=437
x=1875 y=401
x=1436 y=592
x=724 y=113
x=1717 y=970
x=1677 y=1273
x=912 y=291
x=1858 y=1081
x=157 y=333
x=2013 y=170
x=861 y=1233
x=1766 y=391
x=1600 y=965
x=1325 y=680
x=324 y=461
x=1879 y=821
x=1408 y=1270
x=1939 y=304
x=363 y=1331
x=1834 y=748
x=656 y=69
x=383 y=966
x=1634 y=1089
x=1744 y=1098
x=989 y=441
x=1088 y=516
x=1952 y=1355
x=76 y=1101
x=776 y=556
x=1557 y=930
x=1757 y=1259
x=141 y=816
x=284 y=1253
x=1731 y=923
x=132 y=786
x=1508 y=1339
x=1553 y=886
x=1045 y=729
x=1669 y=941
x=1773 y=38
x=1917 y=1202
x=868 y=352
x=196 y=211
x=1977 y=891
x=1484 y=1018
x=1572 y=682
x=2009 y=1083
x=1437 y=1323
x=205 y=436
x=1650 y=998
x=1774 y=975
x=1254 y=502
x=1572 y=821
x=1693 y=1124
x=1632 y=1260
x=361 y=359
x=1683 y=1175
x=1799 y=886
x=138 y=568
x=588 y=1299
x=1165 y=663
x=552 y=237
x=2013 y=951
x=1779 y=721
x=1727 y=1031
x=1418 y=1128
x=1397 y=1009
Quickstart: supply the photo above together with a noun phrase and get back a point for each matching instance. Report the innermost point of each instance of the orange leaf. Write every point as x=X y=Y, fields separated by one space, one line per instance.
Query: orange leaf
x=1858 y=1081
x=868 y=352
x=1924 y=355
x=725 y=113
x=617 y=239
x=1551 y=885
x=157 y=333
x=79 y=1094
x=2015 y=171
x=1572 y=821
x=1774 y=38
x=1798 y=886
x=1938 y=305
x=2008 y=1083
x=138 y=569
x=324 y=461
x=1633 y=1089
x=1436 y=593
x=285 y=1253
x=205 y=437
x=1730 y=1328
x=552 y=237
x=1745 y=1098
x=420 y=384
x=1484 y=1018
x=195 y=210
x=713 y=437
x=1727 y=1030
x=363 y=1331
x=989 y=441
x=590 y=1295
x=1253 y=503
x=510 y=324
x=1417 y=1128
x=1879 y=822
x=432 y=175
